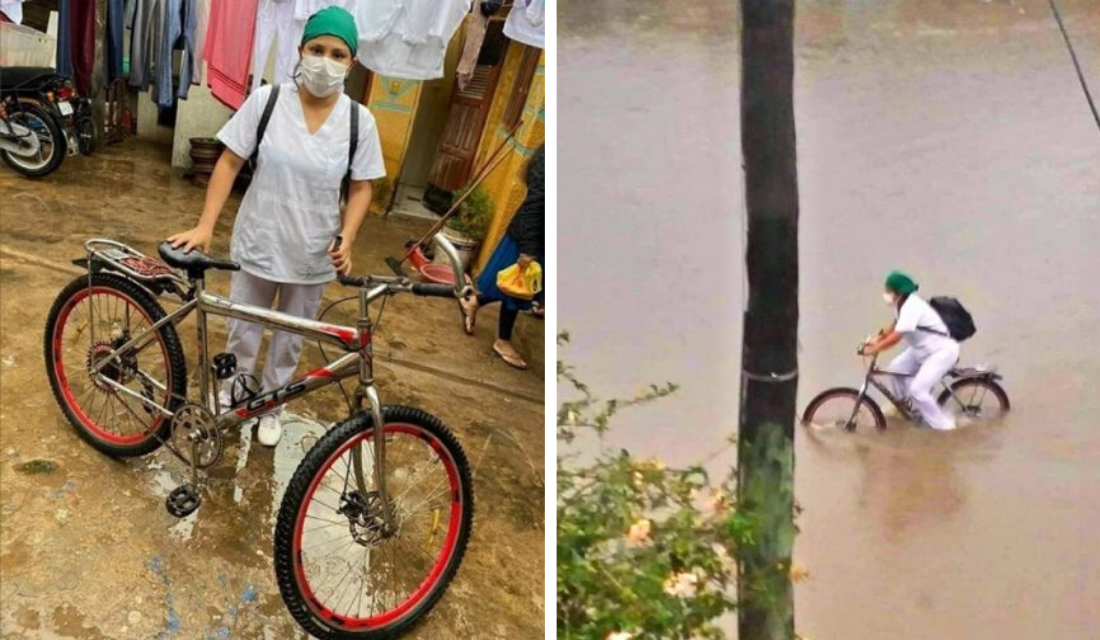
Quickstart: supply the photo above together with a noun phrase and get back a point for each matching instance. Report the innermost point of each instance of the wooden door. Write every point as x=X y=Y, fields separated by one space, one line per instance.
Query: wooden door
x=467 y=113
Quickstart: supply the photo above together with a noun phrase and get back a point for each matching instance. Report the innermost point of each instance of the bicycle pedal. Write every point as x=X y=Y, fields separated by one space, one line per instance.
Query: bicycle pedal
x=225 y=365
x=183 y=501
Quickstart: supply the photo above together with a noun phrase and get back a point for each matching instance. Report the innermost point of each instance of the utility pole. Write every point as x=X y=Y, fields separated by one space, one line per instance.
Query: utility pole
x=769 y=377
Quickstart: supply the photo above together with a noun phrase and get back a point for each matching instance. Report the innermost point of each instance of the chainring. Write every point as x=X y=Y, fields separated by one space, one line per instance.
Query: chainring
x=193 y=421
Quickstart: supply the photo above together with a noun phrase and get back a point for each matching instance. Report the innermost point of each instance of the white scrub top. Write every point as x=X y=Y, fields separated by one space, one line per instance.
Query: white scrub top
x=914 y=313
x=291 y=211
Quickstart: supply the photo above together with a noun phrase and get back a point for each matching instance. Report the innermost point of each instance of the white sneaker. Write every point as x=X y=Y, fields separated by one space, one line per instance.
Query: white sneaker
x=270 y=430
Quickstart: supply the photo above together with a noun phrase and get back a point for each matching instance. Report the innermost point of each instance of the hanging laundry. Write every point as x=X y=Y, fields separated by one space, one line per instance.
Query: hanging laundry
x=303 y=9
x=180 y=26
x=416 y=42
x=12 y=10
x=116 y=16
x=202 y=18
x=64 y=38
x=145 y=36
x=276 y=21
x=525 y=23
x=82 y=32
x=476 y=25
x=228 y=54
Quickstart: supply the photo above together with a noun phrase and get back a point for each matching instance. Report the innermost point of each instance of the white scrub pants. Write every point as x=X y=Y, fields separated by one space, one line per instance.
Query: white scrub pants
x=245 y=337
x=929 y=371
x=275 y=22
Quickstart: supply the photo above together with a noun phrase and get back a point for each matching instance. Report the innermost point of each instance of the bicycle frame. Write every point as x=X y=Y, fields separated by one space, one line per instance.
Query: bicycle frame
x=874 y=373
x=356 y=341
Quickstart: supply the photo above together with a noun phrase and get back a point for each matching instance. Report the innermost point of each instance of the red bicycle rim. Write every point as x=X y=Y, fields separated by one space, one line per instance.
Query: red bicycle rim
x=425 y=588
x=59 y=370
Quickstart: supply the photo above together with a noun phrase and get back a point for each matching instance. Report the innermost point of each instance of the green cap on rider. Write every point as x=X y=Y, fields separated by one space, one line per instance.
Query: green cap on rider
x=898 y=285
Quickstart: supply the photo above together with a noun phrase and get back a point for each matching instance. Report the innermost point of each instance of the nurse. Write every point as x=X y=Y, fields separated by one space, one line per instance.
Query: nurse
x=930 y=354
x=285 y=228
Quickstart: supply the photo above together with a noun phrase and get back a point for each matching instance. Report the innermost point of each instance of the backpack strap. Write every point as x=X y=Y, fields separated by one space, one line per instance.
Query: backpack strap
x=931 y=330
x=269 y=107
x=353 y=145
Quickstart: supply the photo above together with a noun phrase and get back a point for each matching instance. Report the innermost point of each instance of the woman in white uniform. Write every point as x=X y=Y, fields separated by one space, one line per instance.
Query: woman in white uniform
x=931 y=352
x=285 y=228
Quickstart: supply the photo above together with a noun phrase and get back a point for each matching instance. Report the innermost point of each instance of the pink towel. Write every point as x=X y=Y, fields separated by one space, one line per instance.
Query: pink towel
x=228 y=54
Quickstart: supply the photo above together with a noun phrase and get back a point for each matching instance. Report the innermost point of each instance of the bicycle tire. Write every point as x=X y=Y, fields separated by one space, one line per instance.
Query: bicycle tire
x=175 y=363
x=958 y=385
x=846 y=393
x=316 y=463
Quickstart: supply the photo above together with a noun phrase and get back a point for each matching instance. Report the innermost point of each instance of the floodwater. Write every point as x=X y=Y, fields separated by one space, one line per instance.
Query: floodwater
x=950 y=139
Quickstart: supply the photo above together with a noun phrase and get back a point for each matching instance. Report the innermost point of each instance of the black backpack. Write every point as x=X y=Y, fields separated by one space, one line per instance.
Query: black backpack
x=960 y=324
x=269 y=106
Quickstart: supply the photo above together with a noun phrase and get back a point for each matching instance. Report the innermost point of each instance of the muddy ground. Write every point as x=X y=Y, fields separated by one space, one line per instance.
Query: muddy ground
x=87 y=549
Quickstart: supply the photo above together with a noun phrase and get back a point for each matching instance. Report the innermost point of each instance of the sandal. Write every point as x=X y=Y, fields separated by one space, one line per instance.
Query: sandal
x=538 y=311
x=511 y=360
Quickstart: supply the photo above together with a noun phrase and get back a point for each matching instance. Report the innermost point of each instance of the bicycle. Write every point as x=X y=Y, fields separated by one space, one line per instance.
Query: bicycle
x=391 y=505
x=854 y=409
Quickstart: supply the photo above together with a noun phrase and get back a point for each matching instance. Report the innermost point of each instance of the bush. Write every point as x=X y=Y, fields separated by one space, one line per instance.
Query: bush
x=474 y=214
x=645 y=552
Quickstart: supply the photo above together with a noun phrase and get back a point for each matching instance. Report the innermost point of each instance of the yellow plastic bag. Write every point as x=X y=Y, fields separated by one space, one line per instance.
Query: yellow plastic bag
x=524 y=284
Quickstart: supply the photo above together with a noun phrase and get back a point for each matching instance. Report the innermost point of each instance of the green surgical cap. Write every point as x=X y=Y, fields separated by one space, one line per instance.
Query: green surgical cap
x=332 y=21
x=900 y=283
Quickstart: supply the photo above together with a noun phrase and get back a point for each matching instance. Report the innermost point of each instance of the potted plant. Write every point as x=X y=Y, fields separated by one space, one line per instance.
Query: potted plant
x=467 y=228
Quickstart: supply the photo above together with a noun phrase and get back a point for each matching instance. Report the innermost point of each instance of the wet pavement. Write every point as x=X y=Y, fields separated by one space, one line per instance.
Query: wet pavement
x=87 y=550
x=950 y=139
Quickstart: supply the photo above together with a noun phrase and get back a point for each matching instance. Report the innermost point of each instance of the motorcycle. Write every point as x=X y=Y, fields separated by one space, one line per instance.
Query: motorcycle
x=33 y=138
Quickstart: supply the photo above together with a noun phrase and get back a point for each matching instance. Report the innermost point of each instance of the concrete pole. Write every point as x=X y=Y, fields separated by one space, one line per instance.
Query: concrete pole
x=769 y=378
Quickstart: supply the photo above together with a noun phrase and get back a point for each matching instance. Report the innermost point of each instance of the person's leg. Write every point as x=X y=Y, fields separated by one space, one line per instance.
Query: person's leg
x=906 y=362
x=302 y=300
x=508 y=317
x=931 y=372
x=282 y=356
x=245 y=337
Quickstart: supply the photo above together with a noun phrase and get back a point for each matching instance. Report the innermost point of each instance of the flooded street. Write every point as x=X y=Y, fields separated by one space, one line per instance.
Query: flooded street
x=949 y=139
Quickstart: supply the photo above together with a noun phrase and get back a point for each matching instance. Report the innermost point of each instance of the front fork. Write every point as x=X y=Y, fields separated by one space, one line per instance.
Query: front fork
x=367 y=394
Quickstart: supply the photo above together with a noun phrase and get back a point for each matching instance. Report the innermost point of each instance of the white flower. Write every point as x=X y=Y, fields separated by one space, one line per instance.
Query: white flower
x=639 y=532
x=620 y=635
x=681 y=585
x=717 y=501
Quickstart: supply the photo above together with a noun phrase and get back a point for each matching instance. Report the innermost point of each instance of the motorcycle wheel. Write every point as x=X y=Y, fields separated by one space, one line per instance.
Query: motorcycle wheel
x=86 y=135
x=51 y=141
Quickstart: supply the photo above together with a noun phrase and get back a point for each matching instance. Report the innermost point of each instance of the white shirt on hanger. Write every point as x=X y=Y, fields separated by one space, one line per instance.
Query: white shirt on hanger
x=291 y=212
x=13 y=9
x=415 y=45
x=526 y=23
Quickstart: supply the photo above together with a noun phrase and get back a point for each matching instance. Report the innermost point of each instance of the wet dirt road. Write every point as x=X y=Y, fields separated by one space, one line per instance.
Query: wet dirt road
x=87 y=550
x=947 y=138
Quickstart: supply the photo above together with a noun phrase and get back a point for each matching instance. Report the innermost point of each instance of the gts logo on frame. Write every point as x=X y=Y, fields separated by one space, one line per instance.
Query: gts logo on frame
x=278 y=396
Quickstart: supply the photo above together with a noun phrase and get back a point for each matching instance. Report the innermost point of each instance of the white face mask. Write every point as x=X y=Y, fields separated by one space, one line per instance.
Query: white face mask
x=890 y=298
x=321 y=76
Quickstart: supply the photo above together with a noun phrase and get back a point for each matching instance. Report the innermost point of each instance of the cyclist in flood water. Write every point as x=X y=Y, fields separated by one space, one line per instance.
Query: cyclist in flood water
x=930 y=354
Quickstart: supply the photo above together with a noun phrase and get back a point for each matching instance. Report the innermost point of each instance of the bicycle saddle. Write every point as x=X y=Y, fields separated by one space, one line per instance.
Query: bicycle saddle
x=194 y=262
